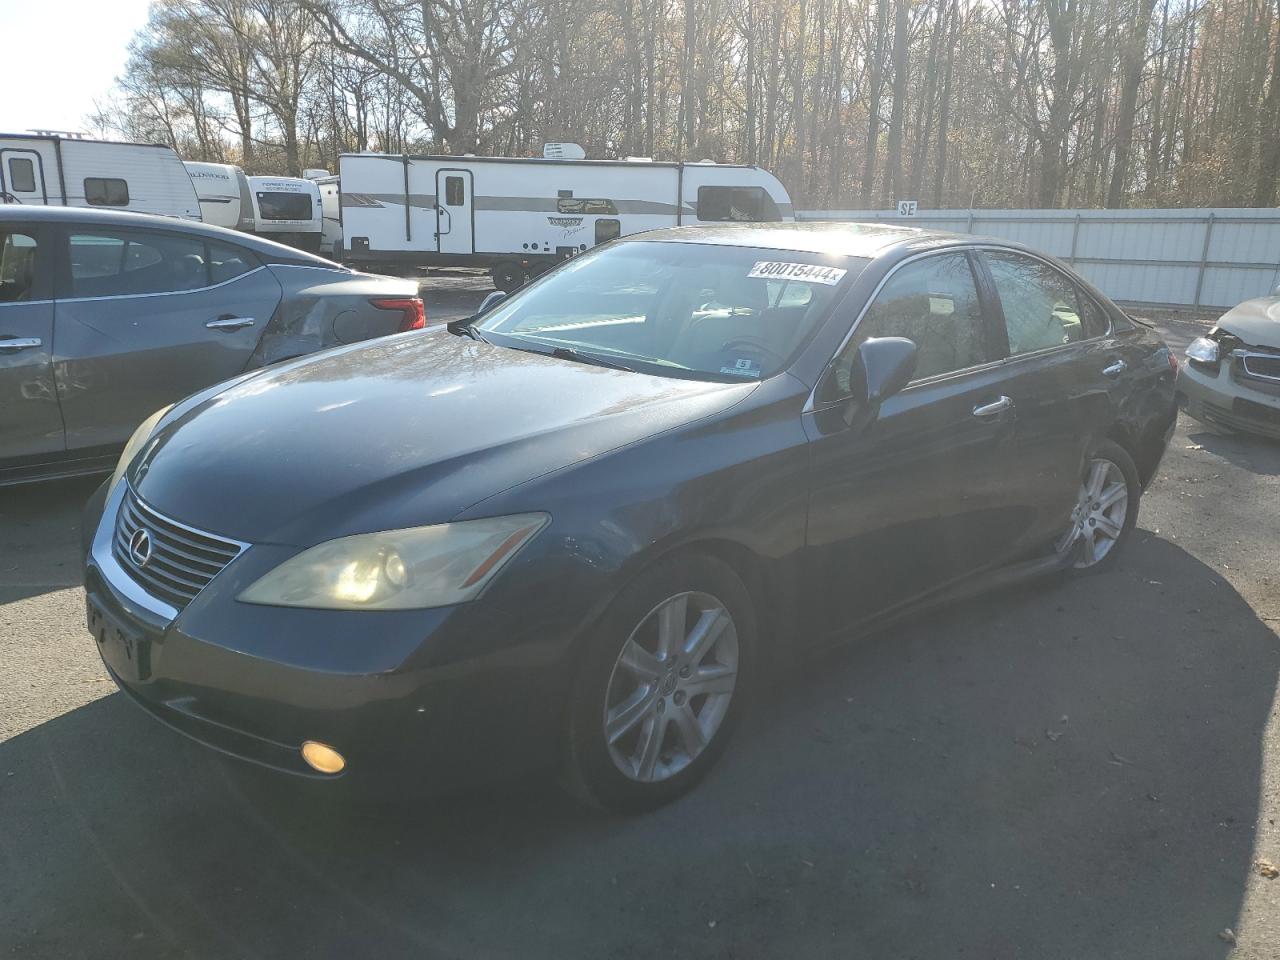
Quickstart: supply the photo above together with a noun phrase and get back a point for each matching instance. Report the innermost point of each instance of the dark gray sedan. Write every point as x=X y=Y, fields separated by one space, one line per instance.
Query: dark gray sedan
x=572 y=533
x=106 y=317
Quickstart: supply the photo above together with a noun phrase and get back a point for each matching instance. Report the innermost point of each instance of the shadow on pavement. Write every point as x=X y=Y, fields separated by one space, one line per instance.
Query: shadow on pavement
x=1057 y=771
x=40 y=536
x=1258 y=455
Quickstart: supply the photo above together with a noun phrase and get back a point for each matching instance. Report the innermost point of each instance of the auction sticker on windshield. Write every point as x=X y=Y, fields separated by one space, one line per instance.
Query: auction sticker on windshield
x=808 y=272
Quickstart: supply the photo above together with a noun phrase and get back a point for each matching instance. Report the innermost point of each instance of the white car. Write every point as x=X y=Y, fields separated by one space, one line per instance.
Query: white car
x=1232 y=375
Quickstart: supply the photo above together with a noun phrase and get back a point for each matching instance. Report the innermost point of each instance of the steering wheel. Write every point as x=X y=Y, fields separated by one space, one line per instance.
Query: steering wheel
x=753 y=343
x=7 y=197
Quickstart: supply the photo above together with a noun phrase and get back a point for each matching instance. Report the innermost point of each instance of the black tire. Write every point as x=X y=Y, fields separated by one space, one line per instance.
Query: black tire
x=1118 y=455
x=508 y=277
x=590 y=773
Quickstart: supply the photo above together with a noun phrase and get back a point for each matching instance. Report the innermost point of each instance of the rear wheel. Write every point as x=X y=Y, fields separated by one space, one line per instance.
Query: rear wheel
x=508 y=277
x=661 y=685
x=1106 y=510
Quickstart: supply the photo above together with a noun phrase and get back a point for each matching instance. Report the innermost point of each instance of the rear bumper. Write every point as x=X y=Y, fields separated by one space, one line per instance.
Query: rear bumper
x=1218 y=399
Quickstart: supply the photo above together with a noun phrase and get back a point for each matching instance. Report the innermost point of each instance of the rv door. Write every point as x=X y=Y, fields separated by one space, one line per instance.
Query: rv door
x=22 y=176
x=455 y=220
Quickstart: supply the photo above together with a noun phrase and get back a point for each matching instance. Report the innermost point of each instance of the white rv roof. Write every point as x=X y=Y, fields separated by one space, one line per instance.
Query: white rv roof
x=629 y=162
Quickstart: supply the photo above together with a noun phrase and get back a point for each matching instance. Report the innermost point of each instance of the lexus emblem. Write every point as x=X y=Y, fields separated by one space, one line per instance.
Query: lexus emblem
x=140 y=547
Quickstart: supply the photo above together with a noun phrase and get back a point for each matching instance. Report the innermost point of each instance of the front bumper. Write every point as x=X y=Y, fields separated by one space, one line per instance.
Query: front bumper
x=419 y=694
x=1219 y=398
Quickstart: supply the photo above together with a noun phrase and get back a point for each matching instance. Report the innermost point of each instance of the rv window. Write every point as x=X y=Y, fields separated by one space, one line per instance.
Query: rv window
x=22 y=175
x=607 y=230
x=106 y=192
x=125 y=263
x=585 y=206
x=454 y=194
x=273 y=205
x=17 y=267
x=736 y=204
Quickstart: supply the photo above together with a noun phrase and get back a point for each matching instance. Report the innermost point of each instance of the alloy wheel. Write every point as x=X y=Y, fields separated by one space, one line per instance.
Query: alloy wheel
x=671 y=686
x=1098 y=518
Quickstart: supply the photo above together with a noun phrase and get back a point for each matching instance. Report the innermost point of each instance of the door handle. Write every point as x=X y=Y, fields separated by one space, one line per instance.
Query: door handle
x=1115 y=369
x=15 y=344
x=230 y=323
x=993 y=408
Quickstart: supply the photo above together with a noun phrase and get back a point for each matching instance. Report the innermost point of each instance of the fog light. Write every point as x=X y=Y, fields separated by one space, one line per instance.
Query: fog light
x=323 y=758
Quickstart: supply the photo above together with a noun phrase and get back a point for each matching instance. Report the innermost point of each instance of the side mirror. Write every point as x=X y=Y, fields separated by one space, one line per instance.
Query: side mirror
x=881 y=367
x=459 y=327
x=491 y=301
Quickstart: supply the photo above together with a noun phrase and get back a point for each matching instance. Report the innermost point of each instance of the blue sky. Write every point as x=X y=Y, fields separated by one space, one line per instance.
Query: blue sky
x=58 y=56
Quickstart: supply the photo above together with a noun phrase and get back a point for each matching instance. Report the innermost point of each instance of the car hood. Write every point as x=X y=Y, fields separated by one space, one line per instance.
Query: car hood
x=397 y=432
x=1256 y=322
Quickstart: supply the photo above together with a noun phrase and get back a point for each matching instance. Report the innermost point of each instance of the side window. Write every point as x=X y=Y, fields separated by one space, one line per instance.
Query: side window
x=607 y=230
x=125 y=263
x=1042 y=307
x=17 y=267
x=933 y=303
x=454 y=192
x=106 y=192
x=736 y=204
x=597 y=207
x=227 y=262
x=22 y=175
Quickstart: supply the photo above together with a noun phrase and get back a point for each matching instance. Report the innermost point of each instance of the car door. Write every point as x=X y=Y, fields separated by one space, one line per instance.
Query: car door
x=1057 y=377
x=146 y=317
x=30 y=421
x=919 y=495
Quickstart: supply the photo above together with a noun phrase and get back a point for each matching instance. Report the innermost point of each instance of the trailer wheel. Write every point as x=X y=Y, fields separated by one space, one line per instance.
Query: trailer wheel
x=508 y=277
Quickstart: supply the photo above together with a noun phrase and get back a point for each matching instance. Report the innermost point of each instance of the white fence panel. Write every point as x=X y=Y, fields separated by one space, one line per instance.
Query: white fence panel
x=1202 y=257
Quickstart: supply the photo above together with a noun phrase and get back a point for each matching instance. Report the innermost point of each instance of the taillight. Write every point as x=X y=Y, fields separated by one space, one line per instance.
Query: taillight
x=1173 y=362
x=414 y=316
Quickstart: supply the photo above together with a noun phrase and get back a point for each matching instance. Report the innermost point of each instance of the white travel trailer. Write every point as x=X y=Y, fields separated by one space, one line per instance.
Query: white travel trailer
x=520 y=216
x=71 y=170
x=287 y=210
x=330 y=209
x=223 y=191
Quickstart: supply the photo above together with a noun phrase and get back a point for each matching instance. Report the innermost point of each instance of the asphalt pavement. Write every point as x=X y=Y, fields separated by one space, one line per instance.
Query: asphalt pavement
x=1071 y=769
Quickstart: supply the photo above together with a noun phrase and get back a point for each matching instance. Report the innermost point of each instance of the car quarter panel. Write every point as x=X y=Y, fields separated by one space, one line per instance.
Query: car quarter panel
x=326 y=307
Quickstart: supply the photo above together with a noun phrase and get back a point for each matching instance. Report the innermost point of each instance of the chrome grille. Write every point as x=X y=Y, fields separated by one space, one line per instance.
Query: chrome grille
x=182 y=560
x=1263 y=365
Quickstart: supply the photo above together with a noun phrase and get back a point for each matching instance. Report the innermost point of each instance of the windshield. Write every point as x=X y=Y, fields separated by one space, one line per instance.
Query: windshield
x=703 y=310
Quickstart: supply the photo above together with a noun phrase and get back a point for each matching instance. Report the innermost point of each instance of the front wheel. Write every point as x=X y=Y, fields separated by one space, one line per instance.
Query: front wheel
x=661 y=685
x=1106 y=510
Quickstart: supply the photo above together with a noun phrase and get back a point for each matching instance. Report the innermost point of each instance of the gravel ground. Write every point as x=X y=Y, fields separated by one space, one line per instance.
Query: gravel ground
x=1086 y=769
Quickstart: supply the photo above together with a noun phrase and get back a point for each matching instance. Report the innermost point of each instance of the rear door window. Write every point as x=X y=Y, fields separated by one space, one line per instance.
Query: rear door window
x=17 y=267
x=125 y=263
x=227 y=262
x=1043 y=308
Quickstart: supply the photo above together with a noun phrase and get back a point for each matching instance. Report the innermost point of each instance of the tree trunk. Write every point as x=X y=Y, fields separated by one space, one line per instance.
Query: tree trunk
x=1135 y=58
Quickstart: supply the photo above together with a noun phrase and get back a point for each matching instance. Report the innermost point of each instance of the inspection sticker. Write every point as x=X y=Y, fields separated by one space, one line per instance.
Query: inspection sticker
x=808 y=272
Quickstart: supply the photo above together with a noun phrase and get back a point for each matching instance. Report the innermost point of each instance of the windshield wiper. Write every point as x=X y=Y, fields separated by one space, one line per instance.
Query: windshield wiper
x=465 y=328
x=569 y=353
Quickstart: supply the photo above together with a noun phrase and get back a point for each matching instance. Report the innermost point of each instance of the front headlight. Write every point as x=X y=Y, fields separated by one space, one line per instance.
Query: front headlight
x=1204 y=350
x=136 y=443
x=398 y=569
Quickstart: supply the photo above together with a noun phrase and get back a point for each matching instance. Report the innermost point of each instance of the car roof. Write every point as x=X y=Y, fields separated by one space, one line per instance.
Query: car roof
x=838 y=238
x=276 y=252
